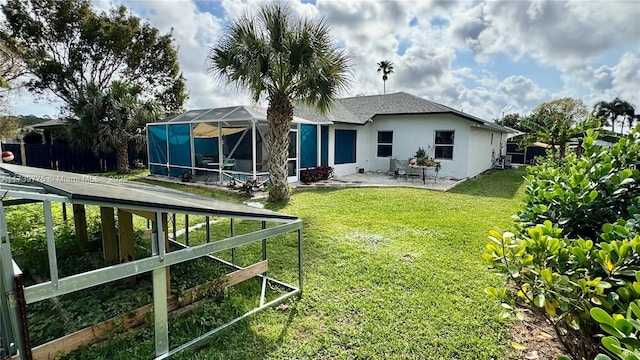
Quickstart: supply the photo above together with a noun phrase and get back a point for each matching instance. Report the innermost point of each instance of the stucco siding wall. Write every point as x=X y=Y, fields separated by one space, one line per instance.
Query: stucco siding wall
x=413 y=131
x=484 y=147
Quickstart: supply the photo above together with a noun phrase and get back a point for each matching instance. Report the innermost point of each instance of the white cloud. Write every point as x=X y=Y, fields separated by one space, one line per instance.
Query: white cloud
x=523 y=91
x=605 y=82
x=626 y=78
x=574 y=38
x=512 y=94
x=428 y=71
x=560 y=33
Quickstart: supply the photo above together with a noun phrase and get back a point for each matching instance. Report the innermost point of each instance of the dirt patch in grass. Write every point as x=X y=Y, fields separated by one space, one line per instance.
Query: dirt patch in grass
x=534 y=339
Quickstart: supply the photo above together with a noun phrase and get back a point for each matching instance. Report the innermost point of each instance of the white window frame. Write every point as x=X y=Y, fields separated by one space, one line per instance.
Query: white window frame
x=436 y=145
x=378 y=143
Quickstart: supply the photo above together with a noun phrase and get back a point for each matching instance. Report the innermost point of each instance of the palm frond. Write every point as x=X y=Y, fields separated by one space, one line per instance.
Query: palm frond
x=274 y=54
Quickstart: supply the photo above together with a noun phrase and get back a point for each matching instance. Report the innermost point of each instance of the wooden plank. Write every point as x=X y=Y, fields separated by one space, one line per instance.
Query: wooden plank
x=239 y=276
x=109 y=237
x=150 y=215
x=100 y=331
x=71 y=342
x=80 y=223
x=126 y=241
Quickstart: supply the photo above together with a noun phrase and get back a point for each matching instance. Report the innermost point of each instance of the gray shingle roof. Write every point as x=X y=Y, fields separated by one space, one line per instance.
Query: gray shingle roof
x=50 y=123
x=352 y=110
x=361 y=109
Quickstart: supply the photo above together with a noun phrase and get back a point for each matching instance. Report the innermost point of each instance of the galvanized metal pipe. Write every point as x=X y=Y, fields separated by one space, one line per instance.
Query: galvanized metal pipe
x=104 y=275
x=51 y=244
x=233 y=250
x=222 y=327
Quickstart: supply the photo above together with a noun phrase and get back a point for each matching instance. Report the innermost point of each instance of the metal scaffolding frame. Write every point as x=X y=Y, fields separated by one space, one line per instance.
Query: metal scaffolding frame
x=34 y=189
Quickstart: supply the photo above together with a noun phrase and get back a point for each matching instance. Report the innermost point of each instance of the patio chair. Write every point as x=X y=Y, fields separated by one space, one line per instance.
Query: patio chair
x=229 y=163
x=199 y=161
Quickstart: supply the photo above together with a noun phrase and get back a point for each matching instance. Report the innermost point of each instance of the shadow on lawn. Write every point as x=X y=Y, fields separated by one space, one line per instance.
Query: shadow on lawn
x=494 y=183
x=240 y=341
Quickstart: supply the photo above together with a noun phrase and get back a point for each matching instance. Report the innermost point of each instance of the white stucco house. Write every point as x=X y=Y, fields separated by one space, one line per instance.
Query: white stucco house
x=363 y=132
x=366 y=132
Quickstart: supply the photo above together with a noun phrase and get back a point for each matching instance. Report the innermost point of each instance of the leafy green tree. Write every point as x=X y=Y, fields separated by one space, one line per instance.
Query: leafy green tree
x=4 y=84
x=65 y=46
x=513 y=121
x=9 y=126
x=109 y=121
x=613 y=110
x=288 y=59
x=386 y=67
x=556 y=123
x=11 y=68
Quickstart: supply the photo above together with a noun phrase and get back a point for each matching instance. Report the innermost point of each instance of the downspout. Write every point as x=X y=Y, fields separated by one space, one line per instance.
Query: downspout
x=220 y=155
x=193 y=150
x=166 y=133
x=254 y=142
x=319 y=145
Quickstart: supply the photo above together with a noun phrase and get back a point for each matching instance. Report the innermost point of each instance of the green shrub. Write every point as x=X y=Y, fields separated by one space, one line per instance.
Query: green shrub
x=623 y=340
x=577 y=244
x=564 y=278
x=316 y=174
x=584 y=192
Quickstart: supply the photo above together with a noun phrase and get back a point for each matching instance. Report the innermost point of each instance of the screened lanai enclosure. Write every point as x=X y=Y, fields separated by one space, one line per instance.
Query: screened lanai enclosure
x=121 y=271
x=220 y=144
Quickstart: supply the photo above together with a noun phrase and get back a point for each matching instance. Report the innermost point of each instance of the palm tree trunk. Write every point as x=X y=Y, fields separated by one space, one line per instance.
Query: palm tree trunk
x=384 y=87
x=279 y=116
x=122 y=158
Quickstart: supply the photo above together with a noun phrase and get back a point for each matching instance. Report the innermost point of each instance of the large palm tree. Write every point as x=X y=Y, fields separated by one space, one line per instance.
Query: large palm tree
x=289 y=60
x=110 y=121
x=611 y=111
x=386 y=67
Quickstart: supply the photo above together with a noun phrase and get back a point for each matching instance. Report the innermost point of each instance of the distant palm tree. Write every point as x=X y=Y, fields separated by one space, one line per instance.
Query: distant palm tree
x=110 y=121
x=611 y=111
x=288 y=59
x=386 y=67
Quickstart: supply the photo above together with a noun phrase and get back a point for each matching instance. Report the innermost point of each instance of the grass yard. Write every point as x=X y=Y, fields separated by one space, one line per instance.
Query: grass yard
x=389 y=273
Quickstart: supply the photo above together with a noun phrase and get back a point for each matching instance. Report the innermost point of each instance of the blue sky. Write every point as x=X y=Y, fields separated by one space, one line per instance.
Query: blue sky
x=486 y=58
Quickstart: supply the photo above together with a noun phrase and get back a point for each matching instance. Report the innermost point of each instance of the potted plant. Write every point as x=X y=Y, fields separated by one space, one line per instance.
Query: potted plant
x=421 y=157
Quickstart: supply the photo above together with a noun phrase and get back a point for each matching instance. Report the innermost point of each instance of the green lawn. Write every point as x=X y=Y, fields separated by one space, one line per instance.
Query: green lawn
x=389 y=273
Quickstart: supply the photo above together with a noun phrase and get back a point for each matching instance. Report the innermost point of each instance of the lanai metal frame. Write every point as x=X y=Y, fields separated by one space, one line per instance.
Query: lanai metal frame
x=252 y=119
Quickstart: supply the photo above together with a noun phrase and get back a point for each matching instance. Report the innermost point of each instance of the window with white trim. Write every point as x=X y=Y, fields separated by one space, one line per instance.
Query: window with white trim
x=444 y=145
x=385 y=143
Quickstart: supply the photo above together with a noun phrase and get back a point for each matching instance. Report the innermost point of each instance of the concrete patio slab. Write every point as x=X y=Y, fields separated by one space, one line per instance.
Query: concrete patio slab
x=381 y=179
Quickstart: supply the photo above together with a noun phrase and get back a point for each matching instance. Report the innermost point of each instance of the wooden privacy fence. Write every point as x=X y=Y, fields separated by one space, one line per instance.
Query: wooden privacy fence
x=64 y=157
